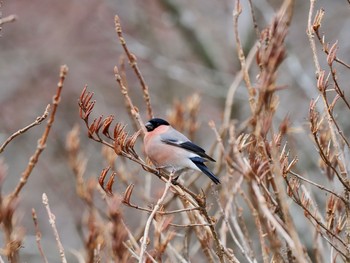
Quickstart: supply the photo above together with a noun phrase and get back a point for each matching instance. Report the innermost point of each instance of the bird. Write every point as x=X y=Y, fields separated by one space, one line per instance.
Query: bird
x=168 y=148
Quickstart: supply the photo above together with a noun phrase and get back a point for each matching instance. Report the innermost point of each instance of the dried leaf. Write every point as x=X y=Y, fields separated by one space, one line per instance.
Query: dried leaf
x=109 y=184
x=128 y=193
x=132 y=140
x=341 y=222
x=118 y=130
x=291 y=164
x=98 y=124
x=85 y=103
x=102 y=176
x=332 y=53
x=89 y=109
x=106 y=124
x=332 y=105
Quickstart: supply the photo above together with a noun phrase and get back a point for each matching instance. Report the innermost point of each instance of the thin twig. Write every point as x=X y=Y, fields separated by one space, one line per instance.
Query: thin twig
x=310 y=34
x=337 y=87
x=133 y=64
x=325 y=46
x=317 y=222
x=53 y=226
x=256 y=27
x=236 y=13
x=234 y=85
x=258 y=224
x=179 y=257
x=131 y=250
x=187 y=225
x=324 y=157
x=271 y=218
x=241 y=248
x=8 y=19
x=42 y=141
x=134 y=111
x=150 y=219
x=38 y=121
x=330 y=112
x=322 y=187
x=162 y=212
x=38 y=235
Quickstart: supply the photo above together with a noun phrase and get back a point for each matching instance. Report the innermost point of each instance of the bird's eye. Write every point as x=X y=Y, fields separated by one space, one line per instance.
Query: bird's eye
x=149 y=126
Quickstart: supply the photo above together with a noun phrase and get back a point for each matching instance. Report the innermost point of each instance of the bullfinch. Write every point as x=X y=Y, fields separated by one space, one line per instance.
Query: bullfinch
x=168 y=148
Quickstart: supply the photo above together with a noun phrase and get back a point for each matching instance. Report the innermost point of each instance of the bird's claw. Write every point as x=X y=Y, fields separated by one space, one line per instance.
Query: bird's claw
x=174 y=180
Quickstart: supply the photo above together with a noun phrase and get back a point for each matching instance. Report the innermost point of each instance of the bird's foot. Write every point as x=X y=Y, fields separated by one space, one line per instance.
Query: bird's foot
x=174 y=180
x=158 y=168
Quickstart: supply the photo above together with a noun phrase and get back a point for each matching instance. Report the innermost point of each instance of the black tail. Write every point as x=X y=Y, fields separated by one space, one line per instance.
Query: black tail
x=198 y=161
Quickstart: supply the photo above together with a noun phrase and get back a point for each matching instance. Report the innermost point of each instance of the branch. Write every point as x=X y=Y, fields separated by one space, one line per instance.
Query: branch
x=38 y=121
x=318 y=185
x=150 y=218
x=38 y=236
x=7 y=19
x=133 y=64
x=270 y=217
x=310 y=34
x=315 y=221
x=234 y=85
x=251 y=91
x=53 y=225
x=42 y=141
x=316 y=26
x=133 y=109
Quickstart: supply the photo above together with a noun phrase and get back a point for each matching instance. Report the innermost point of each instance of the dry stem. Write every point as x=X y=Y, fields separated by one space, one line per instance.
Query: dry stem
x=133 y=64
x=38 y=121
x=150 y=219
x=42 y=141
x=52 y=220
x=251 y=91
x=7 y=19
x=38 y=236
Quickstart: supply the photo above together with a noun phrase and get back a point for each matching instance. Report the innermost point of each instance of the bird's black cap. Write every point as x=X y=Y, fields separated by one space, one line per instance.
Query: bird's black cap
x=154 y=123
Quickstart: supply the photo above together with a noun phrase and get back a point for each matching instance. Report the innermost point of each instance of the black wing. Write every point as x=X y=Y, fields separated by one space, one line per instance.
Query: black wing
x=189 y=146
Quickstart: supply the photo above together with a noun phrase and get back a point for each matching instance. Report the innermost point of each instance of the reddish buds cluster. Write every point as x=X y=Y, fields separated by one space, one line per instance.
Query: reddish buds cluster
x=119 y=141
x=85 y=104
x=123 y=143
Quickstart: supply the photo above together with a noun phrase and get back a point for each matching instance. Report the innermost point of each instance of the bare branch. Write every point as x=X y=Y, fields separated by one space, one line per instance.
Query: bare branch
x=53 y=226
x=38 y=235
x=7 y=19
x=133 y=64
x=42 y=141
x=150 y=219
x=38 y=121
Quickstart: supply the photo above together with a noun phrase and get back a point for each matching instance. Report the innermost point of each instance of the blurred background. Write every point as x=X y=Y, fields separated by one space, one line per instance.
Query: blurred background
x=182 y=47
